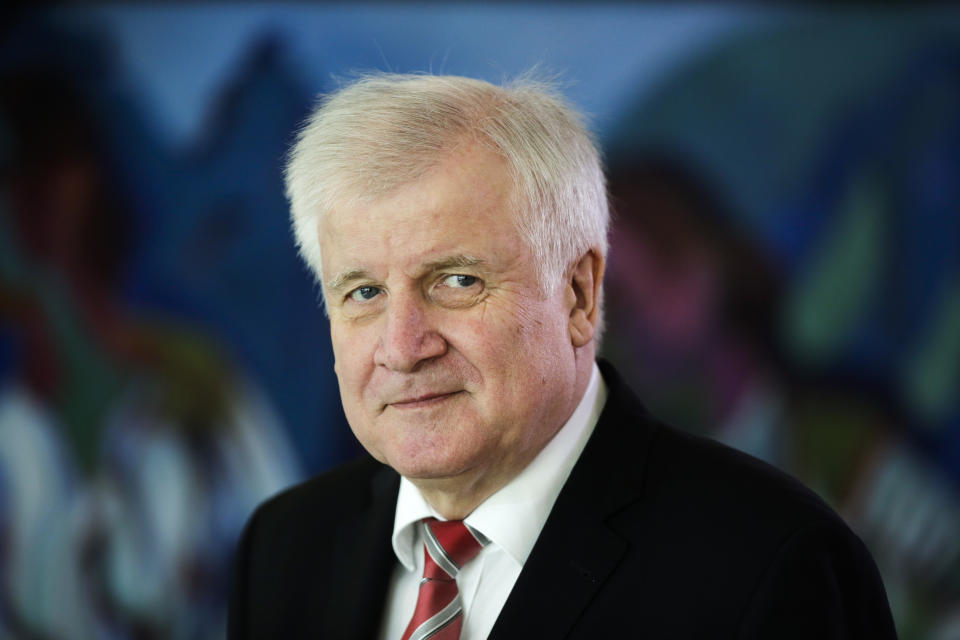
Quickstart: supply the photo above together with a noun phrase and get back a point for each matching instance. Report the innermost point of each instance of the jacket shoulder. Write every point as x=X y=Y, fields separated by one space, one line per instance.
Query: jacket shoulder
x=724 y=481
x=697 y=481
x=714 y=530
x=287 y=567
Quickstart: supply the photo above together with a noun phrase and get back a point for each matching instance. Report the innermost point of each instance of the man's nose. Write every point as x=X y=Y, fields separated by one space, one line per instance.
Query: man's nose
x=408 y=336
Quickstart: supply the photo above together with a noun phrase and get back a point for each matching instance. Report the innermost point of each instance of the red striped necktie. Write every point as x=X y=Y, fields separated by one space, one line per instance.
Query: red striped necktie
x=448 y=545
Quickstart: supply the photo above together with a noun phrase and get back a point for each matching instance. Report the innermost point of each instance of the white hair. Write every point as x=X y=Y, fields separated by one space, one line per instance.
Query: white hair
x=387 y=130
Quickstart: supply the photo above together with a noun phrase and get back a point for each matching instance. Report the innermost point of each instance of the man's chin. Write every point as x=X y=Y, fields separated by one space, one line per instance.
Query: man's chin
x=427 y=473
x=431 y=469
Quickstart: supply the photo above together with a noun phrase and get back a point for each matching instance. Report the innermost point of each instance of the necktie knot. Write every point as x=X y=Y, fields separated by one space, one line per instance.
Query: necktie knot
x=451 y=543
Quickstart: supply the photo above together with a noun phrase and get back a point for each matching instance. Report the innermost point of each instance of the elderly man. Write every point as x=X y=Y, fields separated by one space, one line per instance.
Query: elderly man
x=514 y=489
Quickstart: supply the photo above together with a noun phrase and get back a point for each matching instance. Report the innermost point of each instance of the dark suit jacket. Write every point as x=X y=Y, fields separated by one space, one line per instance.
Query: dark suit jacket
x=656 y=534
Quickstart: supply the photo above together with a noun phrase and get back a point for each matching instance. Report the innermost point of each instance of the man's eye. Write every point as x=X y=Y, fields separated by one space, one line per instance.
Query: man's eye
x=460 y=281
x=361 y=294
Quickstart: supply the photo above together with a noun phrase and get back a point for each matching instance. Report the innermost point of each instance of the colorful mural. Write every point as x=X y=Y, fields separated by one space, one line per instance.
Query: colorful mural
x=784 y=273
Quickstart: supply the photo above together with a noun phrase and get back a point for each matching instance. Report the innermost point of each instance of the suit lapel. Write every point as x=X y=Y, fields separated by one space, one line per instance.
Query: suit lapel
x=576 y=550
x=364 y=564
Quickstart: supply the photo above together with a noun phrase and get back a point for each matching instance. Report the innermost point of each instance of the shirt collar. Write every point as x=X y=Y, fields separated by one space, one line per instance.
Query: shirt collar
x=513 y=516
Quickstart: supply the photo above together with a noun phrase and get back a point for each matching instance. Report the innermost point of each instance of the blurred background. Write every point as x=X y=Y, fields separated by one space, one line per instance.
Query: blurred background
x=784 y=277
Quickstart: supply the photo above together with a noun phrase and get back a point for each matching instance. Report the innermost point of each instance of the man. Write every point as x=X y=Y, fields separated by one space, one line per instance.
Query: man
x=515 y=489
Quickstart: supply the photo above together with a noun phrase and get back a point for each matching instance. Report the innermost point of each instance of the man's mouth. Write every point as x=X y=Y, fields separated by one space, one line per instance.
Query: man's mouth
x=422 y=401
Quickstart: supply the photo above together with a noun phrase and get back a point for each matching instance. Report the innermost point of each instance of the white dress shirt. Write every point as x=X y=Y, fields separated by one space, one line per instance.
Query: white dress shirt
x=511 y=518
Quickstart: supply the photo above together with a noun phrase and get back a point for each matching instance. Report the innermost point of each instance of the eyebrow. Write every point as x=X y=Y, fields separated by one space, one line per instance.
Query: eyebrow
x=340 y=280
x=459 y=261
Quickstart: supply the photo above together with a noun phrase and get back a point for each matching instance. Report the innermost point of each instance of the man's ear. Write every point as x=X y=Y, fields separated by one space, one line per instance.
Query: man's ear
x=583 y=297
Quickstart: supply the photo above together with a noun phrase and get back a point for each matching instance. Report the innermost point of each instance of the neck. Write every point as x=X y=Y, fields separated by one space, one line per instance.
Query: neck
x=456 y=501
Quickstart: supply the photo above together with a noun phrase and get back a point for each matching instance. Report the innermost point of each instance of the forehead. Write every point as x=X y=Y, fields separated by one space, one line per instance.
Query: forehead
x=463 y=205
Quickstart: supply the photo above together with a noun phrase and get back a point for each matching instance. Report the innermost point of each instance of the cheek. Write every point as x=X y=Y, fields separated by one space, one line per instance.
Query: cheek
x=541 y=328
x=509 y=347
x=353 y=358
